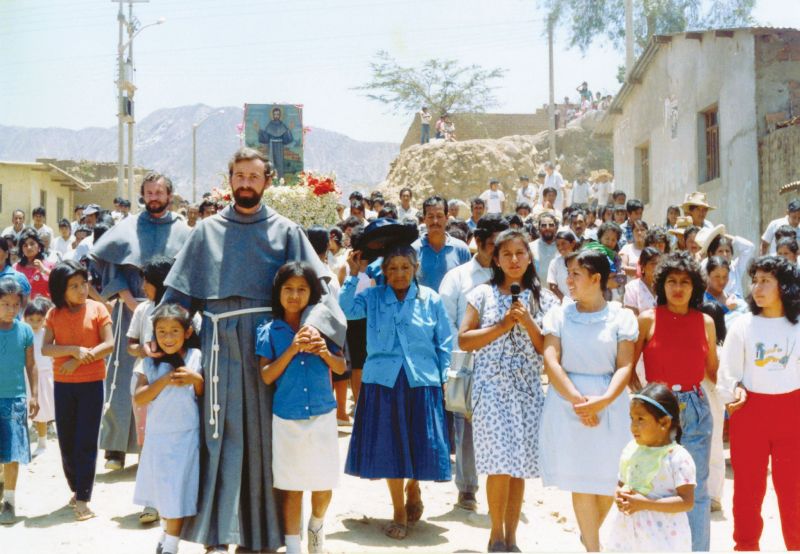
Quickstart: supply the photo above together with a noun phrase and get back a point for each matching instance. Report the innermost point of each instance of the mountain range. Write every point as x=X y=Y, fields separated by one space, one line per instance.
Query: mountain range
x=163 y=142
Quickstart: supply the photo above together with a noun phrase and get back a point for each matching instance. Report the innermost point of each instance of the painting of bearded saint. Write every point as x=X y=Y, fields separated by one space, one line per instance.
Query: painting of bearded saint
x=277 y=131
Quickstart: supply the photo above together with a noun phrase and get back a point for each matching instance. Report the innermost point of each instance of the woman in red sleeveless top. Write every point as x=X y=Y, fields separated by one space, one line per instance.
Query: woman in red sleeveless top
x=679 y=345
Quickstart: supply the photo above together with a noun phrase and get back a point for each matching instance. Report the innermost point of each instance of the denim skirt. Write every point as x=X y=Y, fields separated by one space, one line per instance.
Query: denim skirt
x=14 y=443
x=399 y=433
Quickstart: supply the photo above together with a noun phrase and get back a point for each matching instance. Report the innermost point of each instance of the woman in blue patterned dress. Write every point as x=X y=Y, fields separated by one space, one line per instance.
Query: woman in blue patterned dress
x=507 y=395
x=588 y=355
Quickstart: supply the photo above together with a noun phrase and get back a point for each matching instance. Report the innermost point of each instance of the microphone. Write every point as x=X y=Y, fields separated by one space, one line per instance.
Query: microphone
x=515 y=292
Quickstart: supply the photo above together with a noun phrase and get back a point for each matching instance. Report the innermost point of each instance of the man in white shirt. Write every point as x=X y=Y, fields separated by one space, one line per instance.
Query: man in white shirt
x=453 y=291
x=580 y=190
x=90 y=214
x=39 y=215
x=405 y=209
x=554 y=179
x=61 y=247
x=77 y=217
x=17 y=224
x=494 y=198
x=791 y=218
x=544 y=248
x=425 y=125
x=526 y=192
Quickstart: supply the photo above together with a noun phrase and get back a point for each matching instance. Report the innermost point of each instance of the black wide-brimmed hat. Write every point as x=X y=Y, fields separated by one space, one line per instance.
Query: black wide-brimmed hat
x=384 y=234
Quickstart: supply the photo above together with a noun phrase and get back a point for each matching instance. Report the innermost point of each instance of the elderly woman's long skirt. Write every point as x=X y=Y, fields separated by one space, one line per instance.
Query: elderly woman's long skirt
x=236 y=501
x=399 y=433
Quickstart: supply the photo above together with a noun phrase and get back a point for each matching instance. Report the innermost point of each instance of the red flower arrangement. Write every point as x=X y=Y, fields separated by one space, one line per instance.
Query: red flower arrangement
x=319 y=185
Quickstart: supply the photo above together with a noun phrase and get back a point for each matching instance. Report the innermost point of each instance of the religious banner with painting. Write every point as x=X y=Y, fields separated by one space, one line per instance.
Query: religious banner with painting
x=277 y=131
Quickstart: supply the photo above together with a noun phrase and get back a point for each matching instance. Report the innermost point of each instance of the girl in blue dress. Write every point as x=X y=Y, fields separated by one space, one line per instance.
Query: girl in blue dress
x=169 y=467
x=588 y=356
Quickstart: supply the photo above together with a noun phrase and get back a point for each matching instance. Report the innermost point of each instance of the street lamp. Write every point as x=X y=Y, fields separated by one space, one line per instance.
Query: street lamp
x=194 y=153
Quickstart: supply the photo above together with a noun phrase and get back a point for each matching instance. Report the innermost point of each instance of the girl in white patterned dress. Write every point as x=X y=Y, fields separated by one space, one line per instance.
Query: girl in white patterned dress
x=507 y=393
x=656 y=479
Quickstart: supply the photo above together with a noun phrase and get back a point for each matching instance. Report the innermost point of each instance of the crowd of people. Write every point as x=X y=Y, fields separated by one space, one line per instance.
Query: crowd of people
x=605 y=355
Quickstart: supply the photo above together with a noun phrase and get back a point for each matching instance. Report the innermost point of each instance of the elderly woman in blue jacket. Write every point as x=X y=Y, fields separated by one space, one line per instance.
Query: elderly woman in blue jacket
x=399 y=431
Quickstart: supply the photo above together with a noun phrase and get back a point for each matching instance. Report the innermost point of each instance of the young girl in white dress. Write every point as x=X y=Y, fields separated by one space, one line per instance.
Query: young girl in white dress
x=35 y=312
x=656 y=479
x=169 y=466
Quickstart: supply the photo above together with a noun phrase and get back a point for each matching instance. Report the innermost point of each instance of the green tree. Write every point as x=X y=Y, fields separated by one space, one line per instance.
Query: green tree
x=444 y=86
x=588 y=20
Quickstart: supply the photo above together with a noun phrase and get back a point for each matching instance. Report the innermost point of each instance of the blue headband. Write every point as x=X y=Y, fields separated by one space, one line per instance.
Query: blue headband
x=652 y=403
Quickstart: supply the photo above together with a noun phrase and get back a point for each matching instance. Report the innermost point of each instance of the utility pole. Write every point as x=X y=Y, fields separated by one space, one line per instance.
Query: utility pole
x=131 y=30
x=551 y=109
x=120 y=108
x=628 y=38
x=125 y=84
x=194 y=163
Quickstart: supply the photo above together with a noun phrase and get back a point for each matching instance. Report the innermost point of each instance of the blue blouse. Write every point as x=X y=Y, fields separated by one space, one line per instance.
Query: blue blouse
x=304 y=388
x=413 y=334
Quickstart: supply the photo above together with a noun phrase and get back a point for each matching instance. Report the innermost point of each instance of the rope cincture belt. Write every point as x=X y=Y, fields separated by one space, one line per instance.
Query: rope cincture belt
x=117 y=338
x=213 y=368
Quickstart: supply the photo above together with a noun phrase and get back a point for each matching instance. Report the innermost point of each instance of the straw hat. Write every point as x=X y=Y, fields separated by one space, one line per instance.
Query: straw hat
x=681 y=224
x=601 y=176
x=696 y=199
x=706 y=235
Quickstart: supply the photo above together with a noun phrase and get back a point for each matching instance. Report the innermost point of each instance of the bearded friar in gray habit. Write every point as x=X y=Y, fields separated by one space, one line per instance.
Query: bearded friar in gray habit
x=275 y=136
x=226 y=271
x=118 y=257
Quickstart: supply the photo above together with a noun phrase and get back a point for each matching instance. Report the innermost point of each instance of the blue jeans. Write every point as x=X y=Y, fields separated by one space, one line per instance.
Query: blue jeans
x=697 y=425
x=466 y=474
x=425 y=136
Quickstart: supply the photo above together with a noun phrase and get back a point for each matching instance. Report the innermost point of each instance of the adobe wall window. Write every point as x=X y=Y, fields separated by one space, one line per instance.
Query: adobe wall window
x=642 y=173
x=59 y=209
x=43 y=199
x=708 y=143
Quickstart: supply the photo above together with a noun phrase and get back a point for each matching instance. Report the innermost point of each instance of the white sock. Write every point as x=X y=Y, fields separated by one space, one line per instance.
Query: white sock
x=315 y=524
x=42 y=442
x=163 y=537
x=170 y=543
x=8 y=496
x=292 y=544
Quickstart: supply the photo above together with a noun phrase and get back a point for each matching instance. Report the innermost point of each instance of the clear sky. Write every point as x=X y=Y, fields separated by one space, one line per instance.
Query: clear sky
x=58 y=57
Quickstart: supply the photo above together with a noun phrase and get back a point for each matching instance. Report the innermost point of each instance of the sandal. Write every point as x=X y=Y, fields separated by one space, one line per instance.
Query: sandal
x=148 y=515
x=72 y=501
x=84 y=514
x=396 y=531
x=496 y=546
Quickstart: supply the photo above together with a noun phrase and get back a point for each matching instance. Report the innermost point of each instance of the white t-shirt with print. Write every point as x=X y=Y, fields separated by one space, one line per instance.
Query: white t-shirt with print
x=494 y=201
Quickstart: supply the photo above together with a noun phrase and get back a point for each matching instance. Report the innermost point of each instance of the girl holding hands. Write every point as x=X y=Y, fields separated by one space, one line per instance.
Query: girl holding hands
x=305 y=451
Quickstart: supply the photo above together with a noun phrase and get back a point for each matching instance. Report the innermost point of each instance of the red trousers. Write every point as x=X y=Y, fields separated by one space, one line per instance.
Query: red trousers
x=768 y=425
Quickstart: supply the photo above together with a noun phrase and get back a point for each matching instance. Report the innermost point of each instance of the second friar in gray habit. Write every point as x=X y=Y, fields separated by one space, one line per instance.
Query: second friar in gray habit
x=275 y=136
x=225 y=271
x=118 y=257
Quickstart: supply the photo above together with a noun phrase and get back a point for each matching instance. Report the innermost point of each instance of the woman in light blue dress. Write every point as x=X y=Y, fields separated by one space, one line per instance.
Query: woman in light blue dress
x=588 y=356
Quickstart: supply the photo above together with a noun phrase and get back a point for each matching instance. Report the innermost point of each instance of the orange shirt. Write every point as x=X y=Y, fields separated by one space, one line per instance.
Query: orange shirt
x=81 y=328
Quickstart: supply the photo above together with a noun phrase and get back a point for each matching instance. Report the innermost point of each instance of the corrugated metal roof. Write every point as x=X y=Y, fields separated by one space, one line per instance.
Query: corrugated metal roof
x=640 y=67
